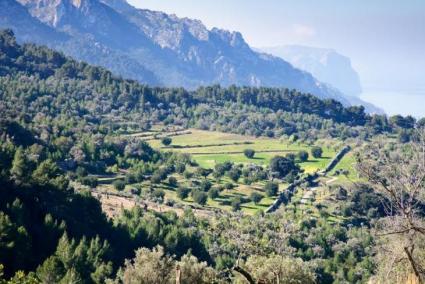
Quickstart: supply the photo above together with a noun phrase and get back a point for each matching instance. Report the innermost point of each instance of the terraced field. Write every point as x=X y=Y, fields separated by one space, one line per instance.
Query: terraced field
x=209 y=148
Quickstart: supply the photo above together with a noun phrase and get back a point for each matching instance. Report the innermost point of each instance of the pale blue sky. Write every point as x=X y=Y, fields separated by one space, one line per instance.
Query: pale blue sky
x=384 y=38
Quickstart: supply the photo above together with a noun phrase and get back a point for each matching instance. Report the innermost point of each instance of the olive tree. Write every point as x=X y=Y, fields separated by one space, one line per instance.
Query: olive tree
x=166 y=141
x=249 y=153
x=279 y=269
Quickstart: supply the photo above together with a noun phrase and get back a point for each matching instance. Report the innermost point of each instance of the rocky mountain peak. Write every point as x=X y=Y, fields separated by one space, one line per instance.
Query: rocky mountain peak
x=155 y=47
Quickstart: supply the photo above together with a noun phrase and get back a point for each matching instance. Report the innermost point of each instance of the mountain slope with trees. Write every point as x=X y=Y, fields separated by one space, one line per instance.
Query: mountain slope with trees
x=62 y=122
x=153 y=47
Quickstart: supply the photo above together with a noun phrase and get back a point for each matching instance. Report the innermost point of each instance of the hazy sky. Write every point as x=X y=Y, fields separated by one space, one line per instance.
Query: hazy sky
x=384 y=38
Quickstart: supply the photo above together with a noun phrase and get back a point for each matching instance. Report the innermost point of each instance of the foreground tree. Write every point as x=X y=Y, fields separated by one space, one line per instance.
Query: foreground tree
x=154 y=266
x=193 y=271
x=398 y=172
x=279 y=269
x=149 y=266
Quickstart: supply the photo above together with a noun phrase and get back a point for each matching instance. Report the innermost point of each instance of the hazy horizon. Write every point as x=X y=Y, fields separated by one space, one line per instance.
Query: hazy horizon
x=385 y=40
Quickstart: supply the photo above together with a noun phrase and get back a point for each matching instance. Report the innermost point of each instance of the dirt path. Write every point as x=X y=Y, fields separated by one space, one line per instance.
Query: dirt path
x=332 y=180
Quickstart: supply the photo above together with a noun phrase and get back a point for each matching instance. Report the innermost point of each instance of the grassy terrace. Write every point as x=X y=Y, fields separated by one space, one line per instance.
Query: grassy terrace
x=208 y=148
x=200 y=144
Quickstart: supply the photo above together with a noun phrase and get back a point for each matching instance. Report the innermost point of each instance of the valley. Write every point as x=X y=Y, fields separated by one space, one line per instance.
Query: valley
x=108 y=180
x=209 y=149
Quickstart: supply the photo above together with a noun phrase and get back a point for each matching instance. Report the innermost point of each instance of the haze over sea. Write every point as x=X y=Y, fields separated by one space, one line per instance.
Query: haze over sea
x=410 y=102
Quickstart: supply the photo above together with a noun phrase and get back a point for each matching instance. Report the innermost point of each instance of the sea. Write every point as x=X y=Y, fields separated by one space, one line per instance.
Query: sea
x=397 y=102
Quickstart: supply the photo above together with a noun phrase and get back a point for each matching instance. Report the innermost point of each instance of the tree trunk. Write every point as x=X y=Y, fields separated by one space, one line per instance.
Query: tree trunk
x=245 y=274
x=413 y=264
x=178 y=275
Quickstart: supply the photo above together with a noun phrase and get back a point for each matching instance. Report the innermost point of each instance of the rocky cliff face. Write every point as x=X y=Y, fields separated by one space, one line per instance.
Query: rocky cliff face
x=153 y=47
x=326 y=65
x=15 y=16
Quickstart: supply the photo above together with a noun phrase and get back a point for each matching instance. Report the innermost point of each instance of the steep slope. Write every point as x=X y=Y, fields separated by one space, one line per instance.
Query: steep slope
x=326 y=65
x=55 y=28
x=13 y=15
x=156 y=48
x=215 y=56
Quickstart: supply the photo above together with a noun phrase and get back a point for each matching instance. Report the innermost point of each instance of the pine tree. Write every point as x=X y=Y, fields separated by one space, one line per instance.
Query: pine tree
x=65 y=251
x=71 y=277
x=20 y=167
x=51 y=271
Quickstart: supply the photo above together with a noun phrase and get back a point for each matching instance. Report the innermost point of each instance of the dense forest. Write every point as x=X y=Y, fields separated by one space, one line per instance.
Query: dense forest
x=62 y=120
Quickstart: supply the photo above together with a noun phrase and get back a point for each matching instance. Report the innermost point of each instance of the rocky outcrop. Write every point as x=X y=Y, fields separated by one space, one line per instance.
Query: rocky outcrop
x=156 y=48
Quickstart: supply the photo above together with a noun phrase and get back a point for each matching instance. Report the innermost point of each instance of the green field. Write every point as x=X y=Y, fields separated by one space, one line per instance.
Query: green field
x=208 y=148
x=208 y=155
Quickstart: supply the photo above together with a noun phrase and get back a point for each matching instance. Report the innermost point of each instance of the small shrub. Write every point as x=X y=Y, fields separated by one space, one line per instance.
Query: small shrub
x=203 y=172
x=136 y=190
x=236 y=204
x=180 y=168
x=256 y=197
x=187 y=174
x=316 y=152
x=199 y=197
x=89 y=181
x=166 y=141
x=159 y=175
x=183 y=192
x=249 y=153
x=213 y=193
x=303 y=156
x=119 y=185
x=81 y=172
x=220 y=188
x=271 y=188
x=155 y=179
x=205 y=185
x=229 y=186
x=172 y=181
x=159 y=193
x=130 y=178
x=234 y=174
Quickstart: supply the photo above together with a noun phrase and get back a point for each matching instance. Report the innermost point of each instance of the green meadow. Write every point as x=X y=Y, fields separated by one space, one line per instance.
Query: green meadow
x=209 y=148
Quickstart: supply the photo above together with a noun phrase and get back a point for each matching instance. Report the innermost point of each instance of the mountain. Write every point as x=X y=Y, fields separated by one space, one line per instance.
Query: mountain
x=15 y=16
x=153 y=47
x=63 y=26
x=326 y=65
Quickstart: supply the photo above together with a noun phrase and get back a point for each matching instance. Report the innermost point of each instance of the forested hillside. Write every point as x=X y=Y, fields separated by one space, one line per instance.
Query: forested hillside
x=151 y=47
x=44 y=77
x=64 y=121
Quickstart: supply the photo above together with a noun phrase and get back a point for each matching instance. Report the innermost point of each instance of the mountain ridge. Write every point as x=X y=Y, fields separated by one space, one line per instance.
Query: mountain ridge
x=160 y=49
